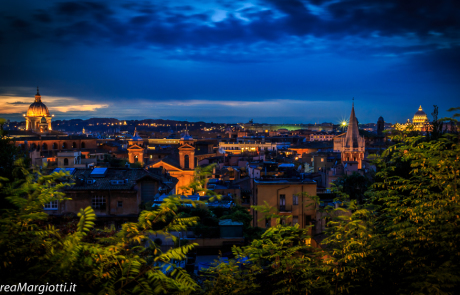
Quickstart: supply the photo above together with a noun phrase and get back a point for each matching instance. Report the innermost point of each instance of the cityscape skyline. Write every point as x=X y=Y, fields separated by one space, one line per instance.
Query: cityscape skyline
x=230 y=61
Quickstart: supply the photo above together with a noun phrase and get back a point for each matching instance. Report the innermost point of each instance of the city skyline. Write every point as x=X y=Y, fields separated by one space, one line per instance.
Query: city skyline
x=230 y=61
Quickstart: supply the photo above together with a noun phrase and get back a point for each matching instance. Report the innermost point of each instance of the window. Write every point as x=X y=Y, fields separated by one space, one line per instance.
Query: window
x=295 y=220
x=66 y=162
x=322 y=159
x=282 y=200
x=98 y=202
x=120 y=204
x=295 y=200
x=51 y=205
x=186 y=162
x=267 y=222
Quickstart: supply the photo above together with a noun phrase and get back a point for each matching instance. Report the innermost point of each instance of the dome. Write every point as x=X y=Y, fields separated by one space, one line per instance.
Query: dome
x=136 y=136
x=420 y=112
x=186 y=136
x=38 y=108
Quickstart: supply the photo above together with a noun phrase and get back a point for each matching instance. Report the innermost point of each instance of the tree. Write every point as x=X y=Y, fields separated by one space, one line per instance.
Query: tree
x=354 y=185
x=406 y=239
x=128 y=262
x=11 y=160
x=200 y=179
x=282 y=261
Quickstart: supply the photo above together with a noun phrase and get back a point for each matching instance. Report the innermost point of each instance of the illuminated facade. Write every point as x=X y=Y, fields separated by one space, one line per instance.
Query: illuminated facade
x=420 y=117
x=136 y=149
x=38 y=118
x=351 y=145
x=419 y=122
x=184 y=170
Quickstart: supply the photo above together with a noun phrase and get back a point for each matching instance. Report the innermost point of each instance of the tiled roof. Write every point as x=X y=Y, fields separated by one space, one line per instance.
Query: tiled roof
x=122 y=174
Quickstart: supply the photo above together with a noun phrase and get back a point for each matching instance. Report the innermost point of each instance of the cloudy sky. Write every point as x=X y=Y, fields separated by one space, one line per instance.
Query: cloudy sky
x=275 y=61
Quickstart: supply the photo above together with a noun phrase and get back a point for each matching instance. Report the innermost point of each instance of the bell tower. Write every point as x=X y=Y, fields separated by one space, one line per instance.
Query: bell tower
x=187 y=152
x=353 y=144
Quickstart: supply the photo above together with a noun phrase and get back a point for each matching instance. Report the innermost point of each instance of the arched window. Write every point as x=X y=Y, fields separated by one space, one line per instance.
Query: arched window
x=44 y=147
x=66 y=162
x=74 y=145
x=64 y=145
x=136 y=159
x=55 y=146
x=82 y=145
x=33 y=145
x=186 y=162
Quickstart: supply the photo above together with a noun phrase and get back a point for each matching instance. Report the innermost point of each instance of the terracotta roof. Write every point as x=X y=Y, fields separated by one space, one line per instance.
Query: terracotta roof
x=126 y=176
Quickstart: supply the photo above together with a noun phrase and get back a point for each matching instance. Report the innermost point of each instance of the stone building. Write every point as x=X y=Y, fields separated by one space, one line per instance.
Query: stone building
x=38 y=118
x=351 y=145
x=114 y=193
x=182 y=168
x=288 y=196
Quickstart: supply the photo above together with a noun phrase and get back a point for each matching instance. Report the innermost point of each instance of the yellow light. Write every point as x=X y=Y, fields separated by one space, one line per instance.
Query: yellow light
x=24 y=115
x=344 y=123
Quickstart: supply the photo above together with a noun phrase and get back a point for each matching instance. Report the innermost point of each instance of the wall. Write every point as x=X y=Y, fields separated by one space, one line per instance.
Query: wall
x=271 y=192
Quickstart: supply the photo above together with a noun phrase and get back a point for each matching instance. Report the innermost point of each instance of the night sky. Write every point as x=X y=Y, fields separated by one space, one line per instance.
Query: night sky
x=286 y=61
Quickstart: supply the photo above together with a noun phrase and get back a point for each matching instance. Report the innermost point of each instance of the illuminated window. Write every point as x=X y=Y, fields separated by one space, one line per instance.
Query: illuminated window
x=322 y=159
x=51 y=205
x=295 y=200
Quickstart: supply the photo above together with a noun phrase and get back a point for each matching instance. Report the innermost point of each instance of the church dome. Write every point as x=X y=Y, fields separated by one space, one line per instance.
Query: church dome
x=420 y=112
x=420 y=117
x=38 y=108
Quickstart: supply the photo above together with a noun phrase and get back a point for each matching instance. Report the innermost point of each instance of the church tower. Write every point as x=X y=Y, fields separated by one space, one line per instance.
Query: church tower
x=353 y=144
x=136 y=149
x=187 y=151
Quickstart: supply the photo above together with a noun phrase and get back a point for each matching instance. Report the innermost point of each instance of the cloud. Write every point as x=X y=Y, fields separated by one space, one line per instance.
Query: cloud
x=12 y=104
x=18 y=102
x=196 y=33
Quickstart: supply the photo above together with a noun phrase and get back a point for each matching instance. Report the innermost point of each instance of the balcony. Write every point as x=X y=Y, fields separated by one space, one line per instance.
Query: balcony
x=285 y=208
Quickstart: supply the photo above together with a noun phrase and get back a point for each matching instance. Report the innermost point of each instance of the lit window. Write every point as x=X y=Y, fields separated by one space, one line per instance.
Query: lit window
x=98 y=202
x=295 y=200
x=322 y=159
x=51 y=205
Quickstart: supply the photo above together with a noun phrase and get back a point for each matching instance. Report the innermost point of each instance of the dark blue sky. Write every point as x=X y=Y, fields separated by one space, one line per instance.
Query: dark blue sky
x=275 y=61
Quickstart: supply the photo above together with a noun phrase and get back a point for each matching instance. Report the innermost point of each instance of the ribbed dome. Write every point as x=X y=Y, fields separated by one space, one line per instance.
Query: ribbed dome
x=38 y=108
x=420 y=112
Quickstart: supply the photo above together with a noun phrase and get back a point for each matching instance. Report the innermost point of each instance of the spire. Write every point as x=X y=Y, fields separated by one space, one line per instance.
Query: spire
x=136 y=136
x=420 y=108
x=351 y=139
x=38 y=98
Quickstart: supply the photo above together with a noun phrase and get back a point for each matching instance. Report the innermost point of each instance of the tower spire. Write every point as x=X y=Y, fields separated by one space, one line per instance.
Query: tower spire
x=38 y=98
x=351 y=139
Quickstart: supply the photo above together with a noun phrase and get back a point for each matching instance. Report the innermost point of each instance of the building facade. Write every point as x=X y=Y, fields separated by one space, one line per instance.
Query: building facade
x=38 y=118
x=351 y=145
